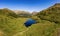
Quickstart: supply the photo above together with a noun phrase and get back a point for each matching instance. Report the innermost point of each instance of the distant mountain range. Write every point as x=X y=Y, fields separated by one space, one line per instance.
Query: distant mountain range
x=14 y=13
x=50 y=13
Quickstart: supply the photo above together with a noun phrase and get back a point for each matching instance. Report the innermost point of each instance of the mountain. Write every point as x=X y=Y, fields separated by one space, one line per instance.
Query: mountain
x=16 y=27
x=22 y=13
x=51 y=14
x=8 y=12
x=34 y=13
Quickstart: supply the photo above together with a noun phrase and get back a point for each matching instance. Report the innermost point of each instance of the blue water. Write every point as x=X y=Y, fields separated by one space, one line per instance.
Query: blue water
x=29 y=22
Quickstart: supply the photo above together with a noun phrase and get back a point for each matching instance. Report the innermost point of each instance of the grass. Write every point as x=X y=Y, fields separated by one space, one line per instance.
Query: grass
x=44 y=28
x=40 y=29
x=11 y=27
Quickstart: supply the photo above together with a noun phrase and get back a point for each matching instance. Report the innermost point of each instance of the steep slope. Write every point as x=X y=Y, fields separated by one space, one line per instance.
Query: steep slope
x=51 y=14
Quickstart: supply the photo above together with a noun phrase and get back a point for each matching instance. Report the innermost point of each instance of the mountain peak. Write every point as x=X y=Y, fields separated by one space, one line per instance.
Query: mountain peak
x=57 y=5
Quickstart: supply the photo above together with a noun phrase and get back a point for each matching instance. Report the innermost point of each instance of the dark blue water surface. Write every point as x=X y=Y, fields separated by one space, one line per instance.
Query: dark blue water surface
x=29 y=22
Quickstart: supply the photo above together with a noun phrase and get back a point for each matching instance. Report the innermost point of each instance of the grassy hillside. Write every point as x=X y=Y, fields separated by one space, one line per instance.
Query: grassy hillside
x=44 y=28
x=8 y=12
x=48 y=21
x=51 y=14
x=11 y=26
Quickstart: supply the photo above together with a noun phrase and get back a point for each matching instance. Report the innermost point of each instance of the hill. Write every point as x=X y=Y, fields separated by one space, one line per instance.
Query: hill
x=8 y=12
x=34 y=13
x=51 y=14
x=24 y=14
x=9 y=23
x=47 y=25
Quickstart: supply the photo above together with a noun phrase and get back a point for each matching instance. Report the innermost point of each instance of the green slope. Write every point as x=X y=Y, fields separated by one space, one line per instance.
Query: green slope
x=44 y=28
x=48 y=22
x=9 y=24
x=8 y=12
x=51 y=14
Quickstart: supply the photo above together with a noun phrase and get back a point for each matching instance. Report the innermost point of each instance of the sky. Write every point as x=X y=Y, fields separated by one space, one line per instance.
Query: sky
x=27 y=5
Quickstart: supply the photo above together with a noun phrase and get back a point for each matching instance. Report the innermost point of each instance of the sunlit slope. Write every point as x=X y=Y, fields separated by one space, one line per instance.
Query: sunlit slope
x=9 y=23
x=44 y=28
x=48 y=19
x=51 y=14
x=8 y=12
x=11 y=26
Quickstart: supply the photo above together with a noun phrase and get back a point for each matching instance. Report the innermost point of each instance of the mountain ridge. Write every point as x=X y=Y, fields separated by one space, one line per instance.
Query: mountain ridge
x=52 y=13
